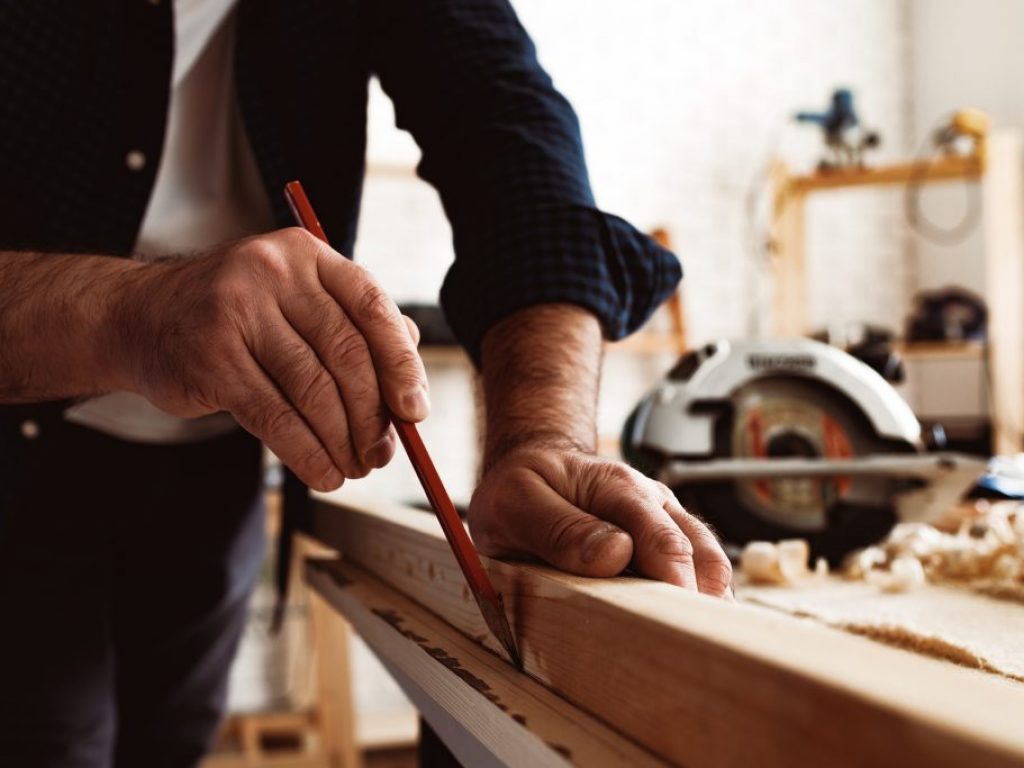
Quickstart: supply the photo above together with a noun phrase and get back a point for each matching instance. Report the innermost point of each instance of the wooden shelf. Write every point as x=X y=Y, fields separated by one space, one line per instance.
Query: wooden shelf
x=942 y=169
x=945 y=350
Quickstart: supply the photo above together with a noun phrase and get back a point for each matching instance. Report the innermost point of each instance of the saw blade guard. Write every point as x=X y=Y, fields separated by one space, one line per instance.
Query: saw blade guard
x=777 y=400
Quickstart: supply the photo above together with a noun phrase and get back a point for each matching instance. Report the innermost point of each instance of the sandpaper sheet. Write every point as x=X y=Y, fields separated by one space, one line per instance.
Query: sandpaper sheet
x=946 y=622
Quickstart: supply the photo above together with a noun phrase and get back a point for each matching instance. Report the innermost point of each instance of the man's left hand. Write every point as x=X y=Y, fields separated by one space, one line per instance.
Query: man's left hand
x=593 y=517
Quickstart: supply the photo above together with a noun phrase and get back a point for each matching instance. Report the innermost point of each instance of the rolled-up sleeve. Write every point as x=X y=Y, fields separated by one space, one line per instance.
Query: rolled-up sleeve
x=502 y=146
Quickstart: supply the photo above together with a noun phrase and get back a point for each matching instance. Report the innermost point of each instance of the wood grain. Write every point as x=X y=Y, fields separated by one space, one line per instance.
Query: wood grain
x=692 y=679
x=488 y=713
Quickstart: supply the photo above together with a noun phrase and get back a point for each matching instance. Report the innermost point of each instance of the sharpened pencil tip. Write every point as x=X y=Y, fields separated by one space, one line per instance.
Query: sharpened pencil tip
x=497 y=622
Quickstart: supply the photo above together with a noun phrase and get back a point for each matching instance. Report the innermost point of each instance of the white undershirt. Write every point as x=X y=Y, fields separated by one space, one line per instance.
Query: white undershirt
x=207 y=192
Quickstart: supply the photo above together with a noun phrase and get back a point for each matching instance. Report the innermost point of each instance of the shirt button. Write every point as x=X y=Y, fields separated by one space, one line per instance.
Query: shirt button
x=135 y=160
x=29 y=429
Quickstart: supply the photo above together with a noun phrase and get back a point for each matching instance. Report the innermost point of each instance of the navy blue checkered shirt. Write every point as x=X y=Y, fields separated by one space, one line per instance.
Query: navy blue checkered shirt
x=84 y=83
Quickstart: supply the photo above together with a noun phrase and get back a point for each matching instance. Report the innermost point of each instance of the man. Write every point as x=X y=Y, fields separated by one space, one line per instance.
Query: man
x=130 y=526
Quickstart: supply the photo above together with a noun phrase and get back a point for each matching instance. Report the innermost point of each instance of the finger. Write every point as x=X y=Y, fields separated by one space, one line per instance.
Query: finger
x=414 y=330
x=714 y=571
x=400 y=372
x=298 y=373
x=547 y=526
x=260 y=408
x=661 y=550
x=342 y=350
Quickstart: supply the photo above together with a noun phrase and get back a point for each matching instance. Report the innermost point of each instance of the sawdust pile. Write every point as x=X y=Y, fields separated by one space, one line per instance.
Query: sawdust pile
x=984 y=553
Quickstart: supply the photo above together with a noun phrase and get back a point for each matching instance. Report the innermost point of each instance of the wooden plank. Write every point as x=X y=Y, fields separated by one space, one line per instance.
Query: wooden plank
x=487 y=713
x=1003 y=201
x=696 y=680
x=941 y=169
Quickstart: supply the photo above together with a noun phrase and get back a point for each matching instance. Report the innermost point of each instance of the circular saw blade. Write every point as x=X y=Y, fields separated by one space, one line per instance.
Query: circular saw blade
x=779 y=417
x=775 y=419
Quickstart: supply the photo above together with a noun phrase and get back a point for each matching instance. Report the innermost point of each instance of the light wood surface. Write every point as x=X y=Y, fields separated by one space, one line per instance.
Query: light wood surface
x=1003 y=228
x=694 y=680
x=787 y=244
x=488 y=713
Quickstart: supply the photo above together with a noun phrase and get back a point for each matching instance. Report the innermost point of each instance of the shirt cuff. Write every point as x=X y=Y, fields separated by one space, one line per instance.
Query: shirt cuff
x=561 y=254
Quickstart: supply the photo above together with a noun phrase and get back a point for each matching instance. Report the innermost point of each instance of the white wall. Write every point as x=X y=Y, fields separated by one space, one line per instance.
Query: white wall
x=682 y=104
x=964 y=54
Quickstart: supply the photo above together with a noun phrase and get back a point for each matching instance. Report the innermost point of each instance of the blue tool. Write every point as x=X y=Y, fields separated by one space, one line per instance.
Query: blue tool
x=845 y=139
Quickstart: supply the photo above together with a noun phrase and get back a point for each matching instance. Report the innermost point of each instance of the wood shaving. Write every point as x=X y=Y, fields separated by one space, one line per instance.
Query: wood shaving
x=764 y=562
x=986 y=551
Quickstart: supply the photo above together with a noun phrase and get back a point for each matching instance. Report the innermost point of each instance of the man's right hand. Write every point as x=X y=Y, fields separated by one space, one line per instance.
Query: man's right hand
x=298 y=343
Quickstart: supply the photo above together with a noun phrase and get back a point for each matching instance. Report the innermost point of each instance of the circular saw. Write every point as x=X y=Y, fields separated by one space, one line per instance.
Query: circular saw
x=774 y=439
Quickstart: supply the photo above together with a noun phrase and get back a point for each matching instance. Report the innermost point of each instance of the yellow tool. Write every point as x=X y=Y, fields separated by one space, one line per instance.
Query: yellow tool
x=969 y=124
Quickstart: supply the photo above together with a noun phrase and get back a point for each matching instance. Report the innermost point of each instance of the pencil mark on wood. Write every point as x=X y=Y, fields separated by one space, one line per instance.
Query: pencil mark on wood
x=561 y=749
x=333 y=573
x=395 y=620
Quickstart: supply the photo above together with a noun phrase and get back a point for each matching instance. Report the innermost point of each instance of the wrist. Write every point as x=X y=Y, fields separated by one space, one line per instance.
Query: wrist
x=122 y=328
x=501 y=448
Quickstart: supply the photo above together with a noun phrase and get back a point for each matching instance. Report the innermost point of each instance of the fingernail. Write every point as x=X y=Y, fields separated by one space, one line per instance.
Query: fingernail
x=417 y=404
x=332 y=479
x=596 y=542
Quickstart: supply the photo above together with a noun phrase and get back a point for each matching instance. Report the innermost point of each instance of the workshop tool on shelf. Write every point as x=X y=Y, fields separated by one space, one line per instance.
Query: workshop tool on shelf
x=488 y=599
x=775 y=439
x=845 y=139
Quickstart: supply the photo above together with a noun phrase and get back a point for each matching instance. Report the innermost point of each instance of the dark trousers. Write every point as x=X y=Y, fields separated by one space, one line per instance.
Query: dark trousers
x=125 y=571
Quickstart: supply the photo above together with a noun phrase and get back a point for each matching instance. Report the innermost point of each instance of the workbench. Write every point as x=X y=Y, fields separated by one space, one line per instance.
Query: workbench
x=628 y=671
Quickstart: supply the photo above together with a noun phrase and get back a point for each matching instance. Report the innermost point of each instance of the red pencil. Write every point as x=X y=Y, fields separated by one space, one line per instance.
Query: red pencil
x=491 y=605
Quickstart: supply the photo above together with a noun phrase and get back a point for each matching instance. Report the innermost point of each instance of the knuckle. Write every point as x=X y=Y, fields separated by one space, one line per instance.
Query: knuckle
x=277 y=421
x=670 y=543
x=409 y=368
x=297 y=237
x=614 y=472
x=314 y=461
x=348 y=350
x=317 y=389
x=271 y=262
x=664 y=490
x=374 y=304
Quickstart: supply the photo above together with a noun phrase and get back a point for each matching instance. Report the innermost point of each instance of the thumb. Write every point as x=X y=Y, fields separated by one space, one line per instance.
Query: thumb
x=547 y=526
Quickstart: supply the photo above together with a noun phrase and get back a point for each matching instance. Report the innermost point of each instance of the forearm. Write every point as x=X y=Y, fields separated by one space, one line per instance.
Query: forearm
x=56 y=321
x=540 y=369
